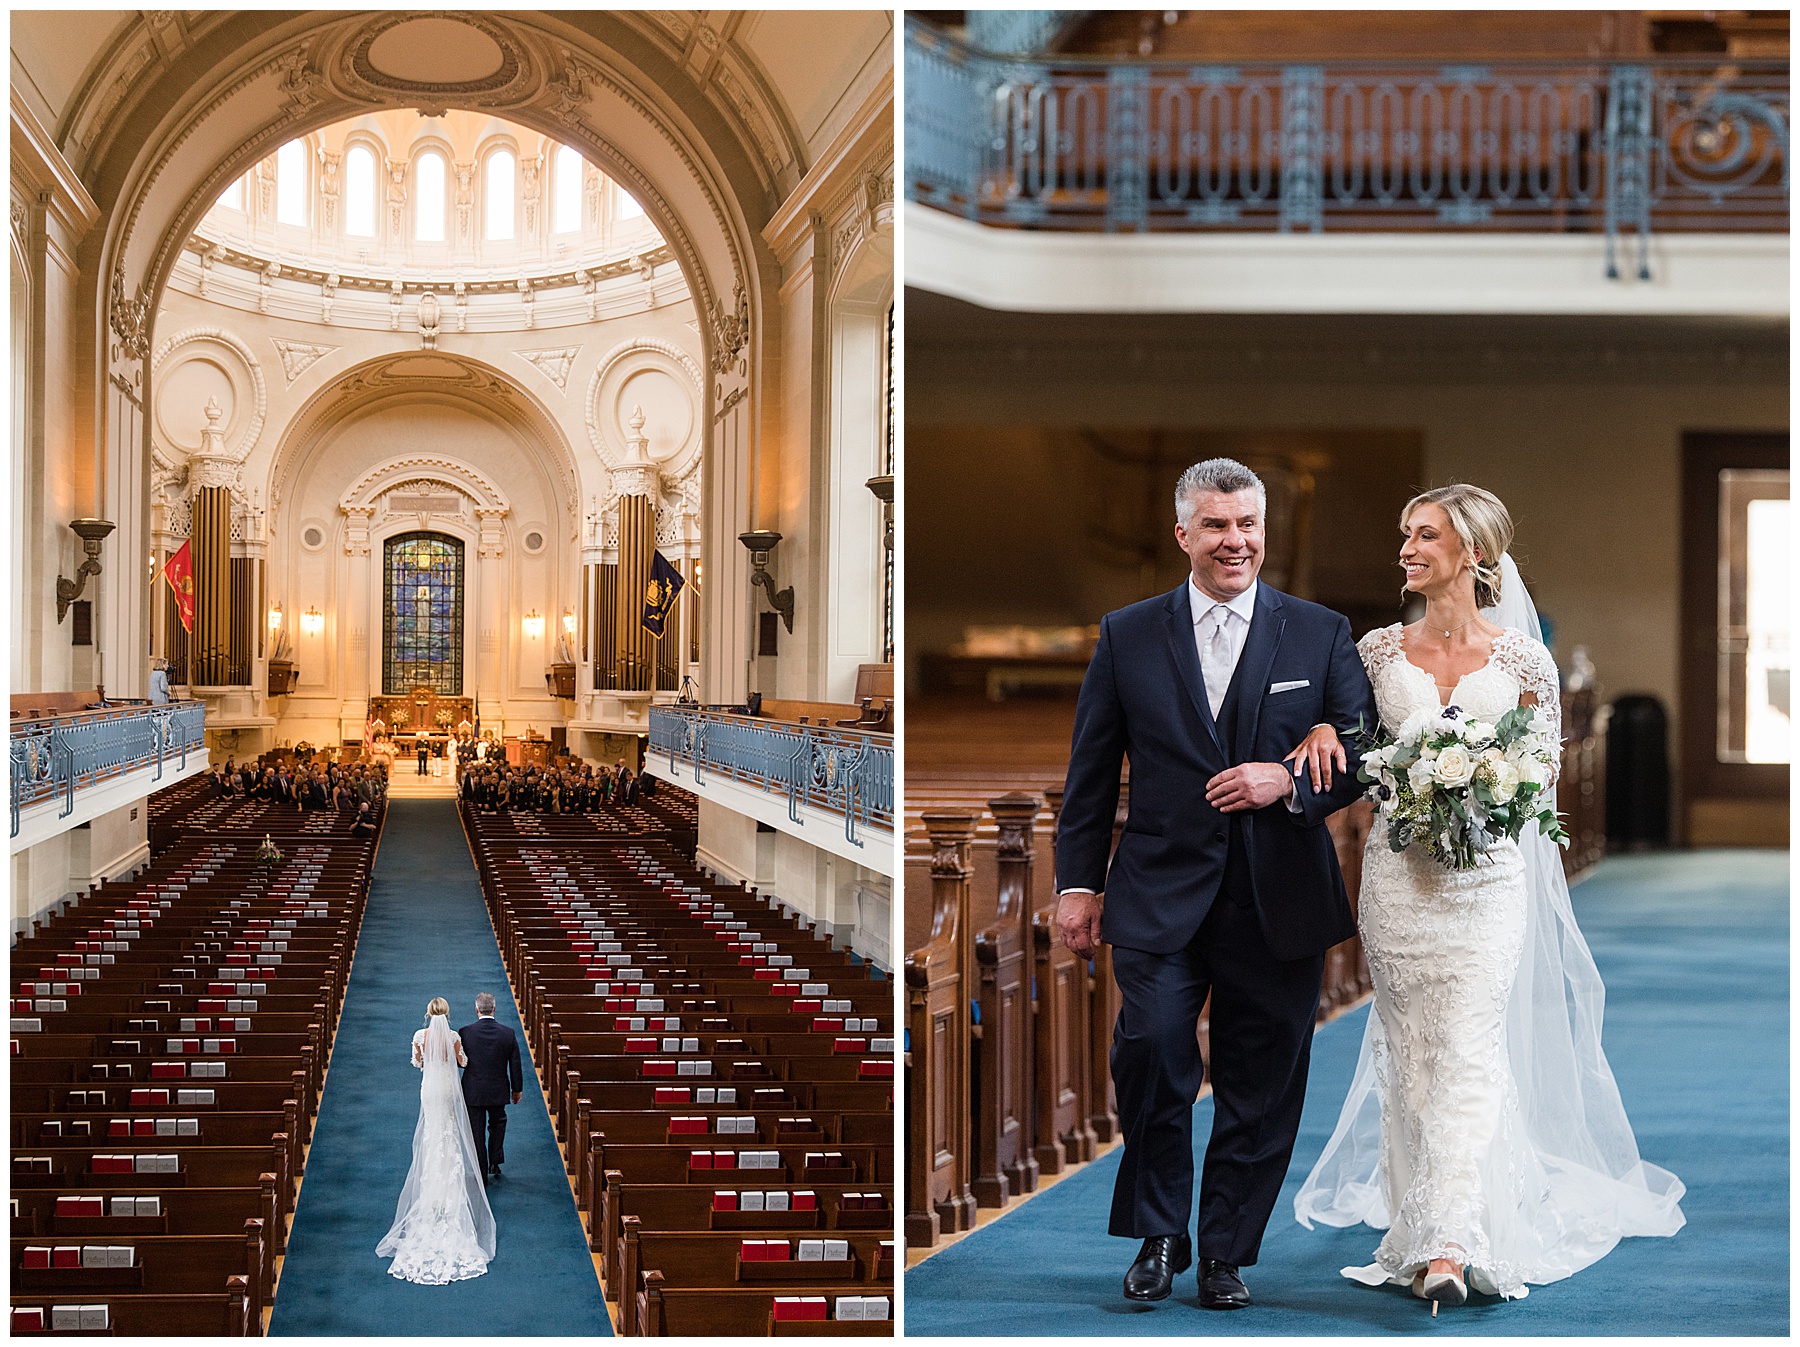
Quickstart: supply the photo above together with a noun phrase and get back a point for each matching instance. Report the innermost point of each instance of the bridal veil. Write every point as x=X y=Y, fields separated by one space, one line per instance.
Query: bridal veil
x=1595 y=1188
x=443 y=1229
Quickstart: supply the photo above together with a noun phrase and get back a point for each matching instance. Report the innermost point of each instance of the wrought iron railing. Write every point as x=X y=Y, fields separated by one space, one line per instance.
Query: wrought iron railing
x=63 y=754
x=1674 y=144
x=835 y=771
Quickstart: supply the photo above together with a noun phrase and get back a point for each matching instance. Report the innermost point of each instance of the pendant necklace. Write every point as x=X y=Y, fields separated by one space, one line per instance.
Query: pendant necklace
x=1448 y=630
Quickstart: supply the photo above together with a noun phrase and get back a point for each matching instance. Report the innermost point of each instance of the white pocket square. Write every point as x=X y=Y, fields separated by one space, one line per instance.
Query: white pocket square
x=1289 y=687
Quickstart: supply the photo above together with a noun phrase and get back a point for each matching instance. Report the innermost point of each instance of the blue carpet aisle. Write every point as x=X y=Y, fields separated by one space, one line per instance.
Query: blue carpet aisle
x=426 y=933
x=1694 y=951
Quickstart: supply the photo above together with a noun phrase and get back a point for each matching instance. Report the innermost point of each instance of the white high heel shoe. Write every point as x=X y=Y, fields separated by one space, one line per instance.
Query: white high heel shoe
x=1443 y=1288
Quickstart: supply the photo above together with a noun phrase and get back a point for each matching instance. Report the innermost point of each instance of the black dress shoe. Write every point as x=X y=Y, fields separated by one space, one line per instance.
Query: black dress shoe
x=1153 y=1275
x=497 y=1174
x=1220 y=1286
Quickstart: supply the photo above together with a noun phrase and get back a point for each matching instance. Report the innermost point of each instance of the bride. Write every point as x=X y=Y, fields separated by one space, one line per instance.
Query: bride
x=443 y=1230
x=1483 y=1127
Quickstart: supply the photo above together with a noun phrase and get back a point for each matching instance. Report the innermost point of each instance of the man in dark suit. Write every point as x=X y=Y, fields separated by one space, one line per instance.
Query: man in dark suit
x=1225 y=879
x=494 y=1066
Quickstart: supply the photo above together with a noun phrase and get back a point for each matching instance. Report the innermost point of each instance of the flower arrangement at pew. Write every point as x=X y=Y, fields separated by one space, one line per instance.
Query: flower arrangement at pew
x=268 y=853
x=1457 y=786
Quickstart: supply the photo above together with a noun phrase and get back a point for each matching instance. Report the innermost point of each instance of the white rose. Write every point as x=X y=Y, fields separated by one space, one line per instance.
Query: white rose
x=1506 y=782
x=1454 y=766
x=1531 y=771
x=1492 y=755
x=1415 y=726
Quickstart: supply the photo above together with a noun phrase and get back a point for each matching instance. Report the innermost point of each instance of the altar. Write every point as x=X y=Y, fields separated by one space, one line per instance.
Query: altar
x=422 y=710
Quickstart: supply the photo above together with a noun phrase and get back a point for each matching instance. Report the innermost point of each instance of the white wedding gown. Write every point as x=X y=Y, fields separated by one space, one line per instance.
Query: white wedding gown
x=443 y=1229
x=1483 y=1124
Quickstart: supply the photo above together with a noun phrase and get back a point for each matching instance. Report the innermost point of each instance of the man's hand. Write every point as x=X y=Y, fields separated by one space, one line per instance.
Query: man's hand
x=1078 y=921
x=1251 y=785
x=516 y=1094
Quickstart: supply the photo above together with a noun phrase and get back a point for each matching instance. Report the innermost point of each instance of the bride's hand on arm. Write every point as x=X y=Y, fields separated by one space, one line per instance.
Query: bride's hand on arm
x=418 y=1057
x=1315 y=754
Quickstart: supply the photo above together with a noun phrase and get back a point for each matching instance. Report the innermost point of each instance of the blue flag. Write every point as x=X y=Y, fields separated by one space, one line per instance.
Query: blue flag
x=659 y=597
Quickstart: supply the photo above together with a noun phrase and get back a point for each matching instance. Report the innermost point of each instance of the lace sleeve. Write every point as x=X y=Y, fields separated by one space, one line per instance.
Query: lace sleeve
x=1379 y=648
x=1528 y=661
x=418 y=1049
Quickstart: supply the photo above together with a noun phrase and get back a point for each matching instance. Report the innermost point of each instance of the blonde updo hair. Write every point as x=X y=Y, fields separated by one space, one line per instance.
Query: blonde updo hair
x=438 y=1006
x=1481 y=522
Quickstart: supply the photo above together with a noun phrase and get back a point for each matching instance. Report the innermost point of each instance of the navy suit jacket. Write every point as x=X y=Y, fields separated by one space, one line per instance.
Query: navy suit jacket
x=493 y=1052
x=1144 y=699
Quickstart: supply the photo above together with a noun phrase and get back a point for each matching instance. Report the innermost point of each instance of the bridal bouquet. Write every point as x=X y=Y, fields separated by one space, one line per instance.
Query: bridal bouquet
x=1456 y=786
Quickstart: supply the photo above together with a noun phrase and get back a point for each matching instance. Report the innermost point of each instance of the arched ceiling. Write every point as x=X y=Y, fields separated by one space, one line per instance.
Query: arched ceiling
x=784 y=81
x=413 y=375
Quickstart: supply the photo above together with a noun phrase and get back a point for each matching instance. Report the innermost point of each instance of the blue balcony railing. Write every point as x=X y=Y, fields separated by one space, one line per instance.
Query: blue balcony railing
x=1671 y=144
x=63 y=754
x=835 y=771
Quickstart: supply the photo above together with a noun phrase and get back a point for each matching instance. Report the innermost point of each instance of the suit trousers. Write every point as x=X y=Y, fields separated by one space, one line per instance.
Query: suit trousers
x=488 y=1123
x=1263 y=1010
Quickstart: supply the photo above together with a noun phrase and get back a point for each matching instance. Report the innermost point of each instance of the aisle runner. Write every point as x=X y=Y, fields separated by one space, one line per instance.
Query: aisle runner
x=1694 y=951
x=426 y=933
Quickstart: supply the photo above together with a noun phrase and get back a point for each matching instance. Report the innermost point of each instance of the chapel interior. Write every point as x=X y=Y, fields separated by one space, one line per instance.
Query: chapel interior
x=452 y=482
x=1365 y=253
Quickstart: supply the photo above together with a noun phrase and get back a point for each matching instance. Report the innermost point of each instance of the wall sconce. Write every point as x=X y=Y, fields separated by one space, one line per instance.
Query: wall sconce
x=275 y=618
x=569 y=624
x=882 y=488
x=312 y=621
x=92 y=533
x=534 y=625
x=760 y=543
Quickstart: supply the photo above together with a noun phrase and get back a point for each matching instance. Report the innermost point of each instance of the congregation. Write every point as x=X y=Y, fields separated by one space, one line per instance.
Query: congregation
x=567 y=789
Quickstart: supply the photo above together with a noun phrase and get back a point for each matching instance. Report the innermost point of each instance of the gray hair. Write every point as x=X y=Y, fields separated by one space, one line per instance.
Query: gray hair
x=484 y=1003
x=1224 y=475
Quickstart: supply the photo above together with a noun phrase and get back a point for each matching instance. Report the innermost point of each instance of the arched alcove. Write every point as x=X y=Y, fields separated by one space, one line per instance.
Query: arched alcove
x=589 y=80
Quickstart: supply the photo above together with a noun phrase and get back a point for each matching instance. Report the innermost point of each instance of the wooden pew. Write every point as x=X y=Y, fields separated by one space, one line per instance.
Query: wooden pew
x=690 y=1206
x=254 y=958
x=228 y=1313
x=624 y=958
x=695 y=1259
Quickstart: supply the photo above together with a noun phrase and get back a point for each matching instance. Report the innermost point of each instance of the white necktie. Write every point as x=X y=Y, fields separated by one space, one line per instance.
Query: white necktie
x=1215 y=668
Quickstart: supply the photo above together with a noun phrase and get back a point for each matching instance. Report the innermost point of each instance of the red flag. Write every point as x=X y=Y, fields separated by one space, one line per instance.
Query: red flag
x=179 y=572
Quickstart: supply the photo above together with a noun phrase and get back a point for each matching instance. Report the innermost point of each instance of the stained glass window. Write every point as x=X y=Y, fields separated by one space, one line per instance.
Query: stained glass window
x=422 y=615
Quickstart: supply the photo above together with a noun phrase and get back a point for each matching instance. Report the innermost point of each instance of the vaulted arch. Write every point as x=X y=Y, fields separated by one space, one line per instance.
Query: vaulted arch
x=163 y=152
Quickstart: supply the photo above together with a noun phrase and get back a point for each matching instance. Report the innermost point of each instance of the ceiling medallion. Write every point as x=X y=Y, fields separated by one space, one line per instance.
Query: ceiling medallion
x=436 y=61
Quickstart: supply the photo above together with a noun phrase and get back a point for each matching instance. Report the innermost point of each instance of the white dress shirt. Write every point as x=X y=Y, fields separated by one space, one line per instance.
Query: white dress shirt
x=1218 y=664
x=1220 y=630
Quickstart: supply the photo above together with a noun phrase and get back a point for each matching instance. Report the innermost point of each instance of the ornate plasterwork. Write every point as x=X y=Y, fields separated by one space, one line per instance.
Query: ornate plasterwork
x=298 y=356
x=513 y=81
x=554 y=363
x=259 y=390
x=408 y=470
x=868 y=210
x=367 y=386
x=647 y=351
x=130 y=318
x=730 y=331
x=307 y=80
x=418 y=474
